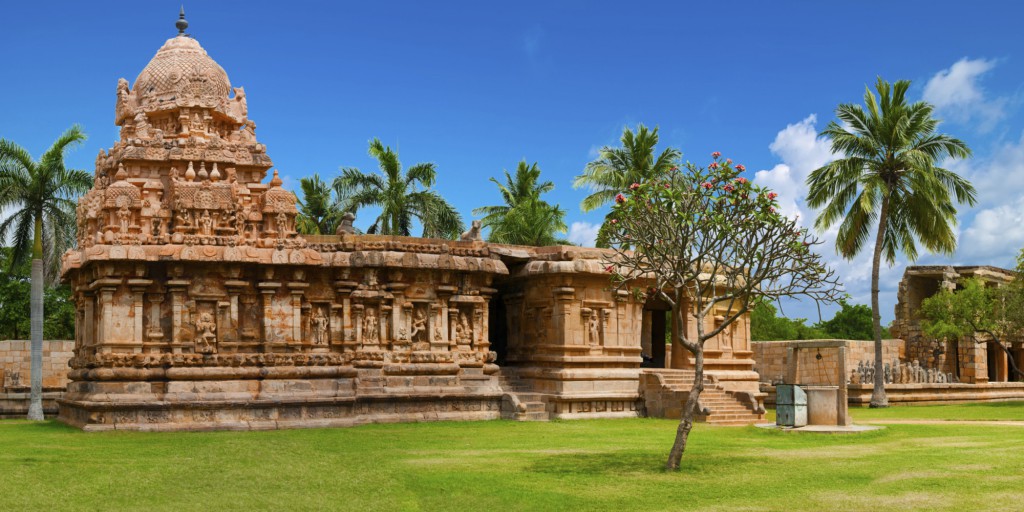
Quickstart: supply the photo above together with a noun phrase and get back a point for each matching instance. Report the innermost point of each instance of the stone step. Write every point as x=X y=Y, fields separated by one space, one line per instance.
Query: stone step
x=536 y=407
x=532 y=416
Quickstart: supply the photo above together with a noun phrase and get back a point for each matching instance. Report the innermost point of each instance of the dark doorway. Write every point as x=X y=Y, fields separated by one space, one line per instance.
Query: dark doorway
x=497 y=324
x=994 y=362
x=657 y=339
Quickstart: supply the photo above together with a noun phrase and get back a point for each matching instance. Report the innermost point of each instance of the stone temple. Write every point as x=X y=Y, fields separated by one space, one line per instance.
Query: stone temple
x=199 y=306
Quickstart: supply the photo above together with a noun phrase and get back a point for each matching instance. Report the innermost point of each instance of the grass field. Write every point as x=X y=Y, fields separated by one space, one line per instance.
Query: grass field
x=500 y=465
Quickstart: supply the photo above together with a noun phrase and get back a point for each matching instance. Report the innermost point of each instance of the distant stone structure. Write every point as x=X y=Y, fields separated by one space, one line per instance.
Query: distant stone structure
x=972 y=362
x=15 y=358
x=201 y=307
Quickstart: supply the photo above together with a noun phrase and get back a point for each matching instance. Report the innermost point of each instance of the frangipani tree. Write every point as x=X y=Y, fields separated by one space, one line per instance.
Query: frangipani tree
x=704 y=239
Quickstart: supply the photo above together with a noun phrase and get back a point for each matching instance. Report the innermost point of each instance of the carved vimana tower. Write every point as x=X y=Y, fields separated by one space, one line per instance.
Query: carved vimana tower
x=199 y=306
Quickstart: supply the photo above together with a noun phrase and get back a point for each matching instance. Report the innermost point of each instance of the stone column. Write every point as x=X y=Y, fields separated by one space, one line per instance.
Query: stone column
x=268 y=290
x=138 y=288
x=89 y=336
x=233 y=330
x=107 y=319
x=178 y=288
x=155 y=332
x=842 y=396
x=562 y=321
x=792 y=365
x=297 y=291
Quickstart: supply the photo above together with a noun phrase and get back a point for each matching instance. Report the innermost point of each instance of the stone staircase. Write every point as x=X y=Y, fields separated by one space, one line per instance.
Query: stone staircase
x=665 y=392
x=519 y=403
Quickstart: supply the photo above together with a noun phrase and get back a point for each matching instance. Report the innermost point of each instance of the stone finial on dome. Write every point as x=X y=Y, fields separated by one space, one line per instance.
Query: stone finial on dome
x=276 y=180
x=121 y=174
x=190 y=173
x=214 y=173
x=181 y=24
x=203 y=175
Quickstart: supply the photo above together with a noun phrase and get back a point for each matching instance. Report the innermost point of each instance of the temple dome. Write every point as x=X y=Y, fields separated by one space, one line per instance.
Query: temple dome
x=181 y=74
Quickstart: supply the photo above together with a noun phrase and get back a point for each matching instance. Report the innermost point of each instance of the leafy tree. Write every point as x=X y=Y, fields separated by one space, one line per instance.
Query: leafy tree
x=525 y=218
x=615 y=169
x=976 y=312
x=888 y=174
x=15 y=290
x=851 y=322
x=765 y=325
x=41 y=195
x=319 y=211
x=707 y=242
x=399 y=196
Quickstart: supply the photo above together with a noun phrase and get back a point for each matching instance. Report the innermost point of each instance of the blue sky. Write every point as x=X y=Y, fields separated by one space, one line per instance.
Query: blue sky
x=477 y=86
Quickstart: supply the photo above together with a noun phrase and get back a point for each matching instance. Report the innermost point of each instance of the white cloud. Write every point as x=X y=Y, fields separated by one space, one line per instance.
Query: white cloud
x=801 y=151
x=583 y=233
x=994 y=233
x=956 y=92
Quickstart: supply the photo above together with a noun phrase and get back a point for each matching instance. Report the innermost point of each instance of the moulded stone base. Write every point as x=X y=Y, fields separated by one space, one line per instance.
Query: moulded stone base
x=276 y=414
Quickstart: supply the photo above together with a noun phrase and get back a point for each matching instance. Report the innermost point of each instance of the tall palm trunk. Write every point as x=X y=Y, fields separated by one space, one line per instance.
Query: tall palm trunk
x=35 y=407
x=878 y=396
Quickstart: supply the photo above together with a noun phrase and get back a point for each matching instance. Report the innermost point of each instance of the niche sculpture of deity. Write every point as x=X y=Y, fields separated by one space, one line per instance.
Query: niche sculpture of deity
x=206 y=333
x=318 y=324
x=370 y=330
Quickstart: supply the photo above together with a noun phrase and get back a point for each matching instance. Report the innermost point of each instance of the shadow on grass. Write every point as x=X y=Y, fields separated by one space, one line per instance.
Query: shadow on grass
x=617 y=463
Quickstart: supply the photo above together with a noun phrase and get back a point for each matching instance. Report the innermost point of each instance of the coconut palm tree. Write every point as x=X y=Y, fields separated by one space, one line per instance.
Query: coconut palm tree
x=888 y=174
x=319 y=211
x=525 y=218
x=399 y=197
x=40 y=194
x=615 y=169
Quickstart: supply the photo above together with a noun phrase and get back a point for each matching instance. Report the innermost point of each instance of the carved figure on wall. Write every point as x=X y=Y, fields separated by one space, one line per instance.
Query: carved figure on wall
x=370 y=332
x=319 y=324
x=122 y=96
x=854 y=376
x=419 y=326
x=141 y=125
x=157 y=222
x=196 y=124
x=248 y=133
x=346 y=227
x=473 y=233
x=205 y=223
x=124 y=216
x=594 y=328
x=463 y=330
x=206 y=330
x=240 y=104
x=282 y=224
x=183 y=219
x=102 y=180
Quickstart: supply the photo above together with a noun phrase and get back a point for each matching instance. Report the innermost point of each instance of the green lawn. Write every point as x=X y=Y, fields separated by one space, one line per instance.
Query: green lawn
x=500 y=465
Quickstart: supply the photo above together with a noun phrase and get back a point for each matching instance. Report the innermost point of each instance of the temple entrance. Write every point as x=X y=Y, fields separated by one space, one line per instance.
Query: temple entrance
x=996 y=363
x=497 y=324
x=653 y=334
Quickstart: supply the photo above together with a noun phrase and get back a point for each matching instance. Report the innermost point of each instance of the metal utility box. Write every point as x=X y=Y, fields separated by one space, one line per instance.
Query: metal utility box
x=790 y=406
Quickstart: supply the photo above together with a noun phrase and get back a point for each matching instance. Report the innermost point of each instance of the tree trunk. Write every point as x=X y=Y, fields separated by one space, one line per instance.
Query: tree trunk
x=878 y=396
x=35 y=406
x=690 y=411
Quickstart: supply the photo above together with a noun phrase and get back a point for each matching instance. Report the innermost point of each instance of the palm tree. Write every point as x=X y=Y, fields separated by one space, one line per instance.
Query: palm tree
x=524 y=219
x=319 y=212
x=888 y=174
x=617 y=168
x=399 y=197
x=41 y=194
